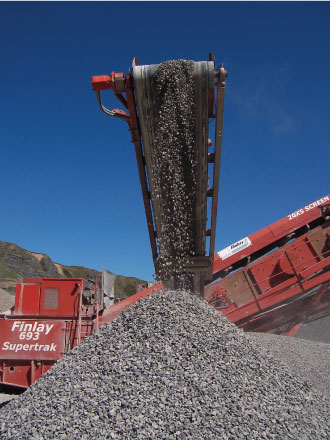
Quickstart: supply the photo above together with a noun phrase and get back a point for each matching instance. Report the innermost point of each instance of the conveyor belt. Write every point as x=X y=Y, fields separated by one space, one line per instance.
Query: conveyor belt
x=167 y=108
x=172 y=103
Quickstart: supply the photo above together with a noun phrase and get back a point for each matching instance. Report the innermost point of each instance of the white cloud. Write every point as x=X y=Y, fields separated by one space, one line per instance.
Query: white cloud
x=261 y=94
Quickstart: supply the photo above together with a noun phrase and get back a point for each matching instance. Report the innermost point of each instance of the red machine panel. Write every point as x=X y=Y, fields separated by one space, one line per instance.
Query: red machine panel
x=63 y=300
x=51 y=316
x=283 y=288
x=32 y=340
x=22 y=373
x=49 y=297
x=263 y=241
x=27 y=298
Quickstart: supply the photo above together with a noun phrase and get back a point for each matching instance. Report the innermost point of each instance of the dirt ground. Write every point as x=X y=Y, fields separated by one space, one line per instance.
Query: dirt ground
x=5 y=398
x=6 y=300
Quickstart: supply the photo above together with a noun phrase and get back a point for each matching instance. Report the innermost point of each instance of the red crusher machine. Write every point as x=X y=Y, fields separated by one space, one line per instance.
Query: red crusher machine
x=278 y=278
x=50 y=317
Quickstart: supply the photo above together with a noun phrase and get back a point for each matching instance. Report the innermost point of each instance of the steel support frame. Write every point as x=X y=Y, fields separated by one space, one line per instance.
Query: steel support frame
x=114 y=82
x=214 y=191
x=202 y=269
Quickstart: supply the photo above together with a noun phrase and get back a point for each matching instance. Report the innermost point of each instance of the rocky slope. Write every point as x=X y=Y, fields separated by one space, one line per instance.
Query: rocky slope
x=17 y=263
x=6 y=301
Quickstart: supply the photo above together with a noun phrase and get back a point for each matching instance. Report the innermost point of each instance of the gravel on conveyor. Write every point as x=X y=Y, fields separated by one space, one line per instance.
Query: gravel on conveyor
x=308 y=359
x=174 y=165
x=169 y=367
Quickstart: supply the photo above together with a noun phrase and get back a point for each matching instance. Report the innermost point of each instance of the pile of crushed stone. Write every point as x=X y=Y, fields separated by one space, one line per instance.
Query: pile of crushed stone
x=168 y=367
x=174 y=165
x=308 y=359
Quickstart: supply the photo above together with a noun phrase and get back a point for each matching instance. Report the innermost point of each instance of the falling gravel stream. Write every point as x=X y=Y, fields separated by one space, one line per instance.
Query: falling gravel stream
x=174 y=165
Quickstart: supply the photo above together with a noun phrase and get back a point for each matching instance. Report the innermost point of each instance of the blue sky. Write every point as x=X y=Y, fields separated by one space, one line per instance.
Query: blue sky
x=68 y=175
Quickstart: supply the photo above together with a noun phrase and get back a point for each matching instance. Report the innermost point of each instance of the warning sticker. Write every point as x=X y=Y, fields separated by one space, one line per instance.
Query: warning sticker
x=234 y=248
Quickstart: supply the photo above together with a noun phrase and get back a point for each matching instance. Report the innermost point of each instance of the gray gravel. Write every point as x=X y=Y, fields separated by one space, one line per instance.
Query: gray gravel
x=169 y=367
x=5 y=398
x=174 y=166
x=317 y=330
x=310 y=360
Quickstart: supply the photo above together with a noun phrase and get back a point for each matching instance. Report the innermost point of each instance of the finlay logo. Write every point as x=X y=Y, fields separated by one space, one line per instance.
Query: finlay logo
x=234 y=248
x=30 y=338
x=37 y=327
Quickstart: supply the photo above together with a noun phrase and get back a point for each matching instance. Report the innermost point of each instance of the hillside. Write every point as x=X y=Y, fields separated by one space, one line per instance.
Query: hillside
x=17 y=263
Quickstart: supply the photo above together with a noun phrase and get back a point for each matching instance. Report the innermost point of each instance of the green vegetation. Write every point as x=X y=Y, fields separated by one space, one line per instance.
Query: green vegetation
x=6 y=272
x=127 y=285
x=79 y=272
